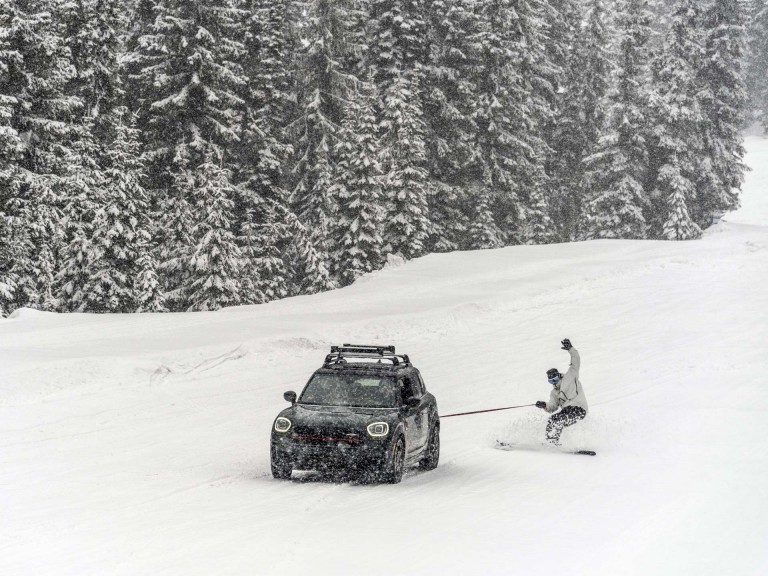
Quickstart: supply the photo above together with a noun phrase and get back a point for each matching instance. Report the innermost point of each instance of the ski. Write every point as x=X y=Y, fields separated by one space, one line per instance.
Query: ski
x=541 y=448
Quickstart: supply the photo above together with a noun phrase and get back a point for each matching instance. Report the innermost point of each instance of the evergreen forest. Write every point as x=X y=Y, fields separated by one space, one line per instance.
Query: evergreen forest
x=182 y=155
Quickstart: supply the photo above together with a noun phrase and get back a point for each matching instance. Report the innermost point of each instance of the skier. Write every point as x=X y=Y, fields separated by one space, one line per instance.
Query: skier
x=567 y=396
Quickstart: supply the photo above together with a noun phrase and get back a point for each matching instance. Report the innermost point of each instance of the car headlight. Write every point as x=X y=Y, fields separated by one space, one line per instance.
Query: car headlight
x=282 y=424
x=378 y=429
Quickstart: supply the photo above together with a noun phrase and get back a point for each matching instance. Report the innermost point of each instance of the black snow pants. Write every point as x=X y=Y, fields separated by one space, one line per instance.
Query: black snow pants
x=567 y=416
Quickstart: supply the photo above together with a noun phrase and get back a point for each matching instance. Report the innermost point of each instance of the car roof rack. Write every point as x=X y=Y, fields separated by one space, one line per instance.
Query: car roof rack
x=351 y=352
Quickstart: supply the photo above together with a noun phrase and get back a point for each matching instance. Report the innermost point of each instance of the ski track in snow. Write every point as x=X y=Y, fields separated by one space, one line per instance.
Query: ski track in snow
x=138 y=444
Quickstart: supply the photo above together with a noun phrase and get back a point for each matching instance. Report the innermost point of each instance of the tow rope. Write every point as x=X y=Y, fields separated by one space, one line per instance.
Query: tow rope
x=489 y=410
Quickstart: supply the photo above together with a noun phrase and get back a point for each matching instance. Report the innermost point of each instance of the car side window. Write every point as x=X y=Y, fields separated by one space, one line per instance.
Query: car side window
x=421 y=383
x=403 y=392
x=411 y=387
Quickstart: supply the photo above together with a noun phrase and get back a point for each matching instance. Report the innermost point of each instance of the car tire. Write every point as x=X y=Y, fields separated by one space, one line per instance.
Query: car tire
x=432 y=452
x=281 y=468
x=396 y=468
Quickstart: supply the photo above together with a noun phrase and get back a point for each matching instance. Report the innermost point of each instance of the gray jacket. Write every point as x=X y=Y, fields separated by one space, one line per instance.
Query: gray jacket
x=568 y=392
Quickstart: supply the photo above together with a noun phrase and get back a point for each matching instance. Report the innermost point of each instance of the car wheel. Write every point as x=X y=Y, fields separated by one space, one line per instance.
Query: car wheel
x=396 y=468
x=281 y=468
x=432 y=455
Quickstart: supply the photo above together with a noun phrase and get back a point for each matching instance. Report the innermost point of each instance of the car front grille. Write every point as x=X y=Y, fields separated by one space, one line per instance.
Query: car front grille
x=321 y=434
x=322 y=439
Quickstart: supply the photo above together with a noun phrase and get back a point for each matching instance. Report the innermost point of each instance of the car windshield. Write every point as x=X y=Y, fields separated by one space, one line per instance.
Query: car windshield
x=350 y=390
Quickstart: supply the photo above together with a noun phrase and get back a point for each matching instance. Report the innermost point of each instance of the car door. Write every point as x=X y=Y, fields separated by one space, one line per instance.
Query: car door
x=425 y=413
x=412 y=431
x=417 y=417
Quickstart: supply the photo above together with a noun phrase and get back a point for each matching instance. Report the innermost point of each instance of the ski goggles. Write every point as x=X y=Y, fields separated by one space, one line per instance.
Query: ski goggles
x=554 y=380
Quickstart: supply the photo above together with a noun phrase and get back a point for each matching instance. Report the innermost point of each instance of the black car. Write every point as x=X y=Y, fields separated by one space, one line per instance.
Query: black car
x=366 y=410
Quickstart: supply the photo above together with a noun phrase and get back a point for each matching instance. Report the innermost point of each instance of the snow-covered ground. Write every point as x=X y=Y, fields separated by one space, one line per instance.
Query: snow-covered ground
x=138 y=444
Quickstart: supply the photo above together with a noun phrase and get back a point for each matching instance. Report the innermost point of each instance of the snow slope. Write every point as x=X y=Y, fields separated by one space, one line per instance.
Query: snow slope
x=138 y=444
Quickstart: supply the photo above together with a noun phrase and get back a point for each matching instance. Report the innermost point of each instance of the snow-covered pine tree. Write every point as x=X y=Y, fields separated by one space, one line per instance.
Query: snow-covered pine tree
x=451 y=134
x=174 y=217
x=323 y=85
x=261 y=226
x=121 y=279
x=406 y=180
x=597 y=58
x=678 y=224
x=580 y=114
x=510 y=109
x=215 y=266
x=531 y=96
x=12 y=246
x=38 y=75
x=44 y=236
x=564 y=130
x=310 y=272
x=615 y=174
x=125 y=176
x=397 y=53
x=613 y=209
x=139 y=20
x=399 y=43
x=677 y=147
x=483 y=232
x=355 y=60
x=92 y=30
x=9 y=253
x=494 y=114
x=37 y=69
x=723 y=101
x=72 y=278
x=263 y=238
x=564 y=21
x=82 y=193
x=357 y=191
x=186 y=66
x=147 y=284
x=756 y=60
x=538 y=227
x=10 y=250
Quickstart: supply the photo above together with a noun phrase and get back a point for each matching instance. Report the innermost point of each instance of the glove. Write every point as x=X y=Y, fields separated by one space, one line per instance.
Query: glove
x=541 y=404
x=566 y=344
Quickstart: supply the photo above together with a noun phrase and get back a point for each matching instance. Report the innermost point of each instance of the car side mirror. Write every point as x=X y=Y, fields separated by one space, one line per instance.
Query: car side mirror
x=412 y=402
x=290 y=396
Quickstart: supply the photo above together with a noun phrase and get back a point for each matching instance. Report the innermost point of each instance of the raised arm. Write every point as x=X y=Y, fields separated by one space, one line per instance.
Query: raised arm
x=575 y=361
x=573 y=369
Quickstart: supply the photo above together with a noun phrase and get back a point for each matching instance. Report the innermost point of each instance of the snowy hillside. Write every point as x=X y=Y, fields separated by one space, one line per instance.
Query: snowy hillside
x=138 y=444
